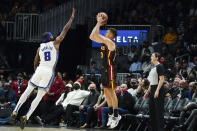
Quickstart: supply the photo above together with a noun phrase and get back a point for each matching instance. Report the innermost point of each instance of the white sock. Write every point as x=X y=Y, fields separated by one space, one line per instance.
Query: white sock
x=35 y=102
x=23 y=97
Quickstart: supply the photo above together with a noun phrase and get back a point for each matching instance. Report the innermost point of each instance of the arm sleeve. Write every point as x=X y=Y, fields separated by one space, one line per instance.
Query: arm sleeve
x=160 y=70
x=60 y=99
x=85 y=93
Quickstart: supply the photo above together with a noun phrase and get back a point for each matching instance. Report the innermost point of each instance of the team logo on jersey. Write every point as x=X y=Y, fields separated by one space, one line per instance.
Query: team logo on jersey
x=102 y=47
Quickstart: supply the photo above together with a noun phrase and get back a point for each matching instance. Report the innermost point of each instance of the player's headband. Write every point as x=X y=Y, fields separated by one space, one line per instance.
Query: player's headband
x=46 y=39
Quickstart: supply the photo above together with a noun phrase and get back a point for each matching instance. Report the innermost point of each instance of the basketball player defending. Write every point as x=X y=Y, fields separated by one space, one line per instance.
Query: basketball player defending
x=47 y=56
x=107 y=78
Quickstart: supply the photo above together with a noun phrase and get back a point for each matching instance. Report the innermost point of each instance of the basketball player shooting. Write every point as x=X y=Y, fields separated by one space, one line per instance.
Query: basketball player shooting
x=108 y=59
x=44 y=66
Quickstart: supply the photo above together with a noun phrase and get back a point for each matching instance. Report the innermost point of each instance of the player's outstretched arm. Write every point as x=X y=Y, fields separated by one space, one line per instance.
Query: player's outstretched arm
x=60 y=38
x=36 y=59
x=95 y=36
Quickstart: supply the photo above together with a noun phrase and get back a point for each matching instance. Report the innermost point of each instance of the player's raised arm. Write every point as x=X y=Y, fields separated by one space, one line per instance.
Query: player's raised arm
x=36 y=59
x=60 y=38
x=95 y=36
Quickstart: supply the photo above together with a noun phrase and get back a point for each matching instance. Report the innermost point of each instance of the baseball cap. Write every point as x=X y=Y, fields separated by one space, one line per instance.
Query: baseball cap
x=69 y=85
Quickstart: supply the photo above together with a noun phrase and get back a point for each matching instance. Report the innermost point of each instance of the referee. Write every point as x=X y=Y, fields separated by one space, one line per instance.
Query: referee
x=156 y=91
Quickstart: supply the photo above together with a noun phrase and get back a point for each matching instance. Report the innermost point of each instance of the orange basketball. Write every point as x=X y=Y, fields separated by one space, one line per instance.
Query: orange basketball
x=104 y=16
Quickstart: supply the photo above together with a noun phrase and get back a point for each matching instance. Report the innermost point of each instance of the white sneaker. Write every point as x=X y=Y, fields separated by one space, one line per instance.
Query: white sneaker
x=109 y=120
x=115 y=121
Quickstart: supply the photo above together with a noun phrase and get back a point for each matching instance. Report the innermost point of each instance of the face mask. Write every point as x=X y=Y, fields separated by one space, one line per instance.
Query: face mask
x=92 y=90
x=124 y=91
x=76 y=86
x=118 y=92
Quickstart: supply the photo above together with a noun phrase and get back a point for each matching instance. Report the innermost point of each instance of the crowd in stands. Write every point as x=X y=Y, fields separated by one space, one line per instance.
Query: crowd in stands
x=82 y=103
x=9 y=8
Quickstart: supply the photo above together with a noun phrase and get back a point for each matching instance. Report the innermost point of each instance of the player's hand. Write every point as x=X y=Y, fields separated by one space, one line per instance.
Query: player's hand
x=73 y=13
x=99 y=18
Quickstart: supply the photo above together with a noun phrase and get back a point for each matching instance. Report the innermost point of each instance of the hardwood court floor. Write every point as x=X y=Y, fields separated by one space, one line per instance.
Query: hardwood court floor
x=16 y=128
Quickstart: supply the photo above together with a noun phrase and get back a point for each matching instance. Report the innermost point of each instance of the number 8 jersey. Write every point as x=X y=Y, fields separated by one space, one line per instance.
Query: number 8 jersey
x=45 y=72
x=48 y=55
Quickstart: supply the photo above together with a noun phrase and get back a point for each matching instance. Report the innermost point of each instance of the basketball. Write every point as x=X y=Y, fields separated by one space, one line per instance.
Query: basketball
x=104 y=16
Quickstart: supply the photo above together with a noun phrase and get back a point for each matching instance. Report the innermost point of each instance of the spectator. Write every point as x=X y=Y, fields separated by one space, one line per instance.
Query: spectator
x=96 y=112
x=141 y=89
x=93 y=68
x=192 y=63
x=88 y=106
x=167 y=88
x=170 y=40
x=136 y=65
x=183 y=90
x=184 y=74
x=192 y=76
x=98 y=107
x=145 y=47
x=7 y=103
x=175 y=88
x=194 y=67
x=66 y=105
x=177 y=67
x=192 y=91
x=184 y=65
x=10 y=96
x=72 y=102
x=122 y=62
x=132 y=53
x=19 y=85
x=134 y=83
x=157 y=41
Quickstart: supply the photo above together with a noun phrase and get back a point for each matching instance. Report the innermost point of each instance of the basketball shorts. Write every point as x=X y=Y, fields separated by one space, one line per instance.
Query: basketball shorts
x=108 y=79
x=42 y=78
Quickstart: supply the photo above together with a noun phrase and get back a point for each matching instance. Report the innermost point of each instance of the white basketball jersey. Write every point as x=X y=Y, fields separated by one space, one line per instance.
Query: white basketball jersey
x=48 y=55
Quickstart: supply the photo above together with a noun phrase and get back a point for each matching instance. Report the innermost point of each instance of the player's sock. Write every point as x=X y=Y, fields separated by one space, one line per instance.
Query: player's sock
x=35 y=102
x=110 y=110
x=115 y=112
x=23 y=98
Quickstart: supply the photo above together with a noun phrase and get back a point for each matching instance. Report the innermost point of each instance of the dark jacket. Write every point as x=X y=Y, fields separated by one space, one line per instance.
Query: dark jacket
x=126 y=101
x=184 y=93
x=9 y=96
x=91 y=100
